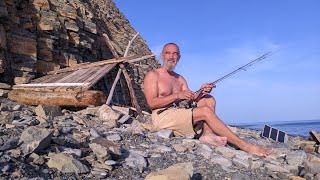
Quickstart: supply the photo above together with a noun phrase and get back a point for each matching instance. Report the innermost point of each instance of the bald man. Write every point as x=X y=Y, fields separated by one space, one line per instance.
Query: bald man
x=163 y=88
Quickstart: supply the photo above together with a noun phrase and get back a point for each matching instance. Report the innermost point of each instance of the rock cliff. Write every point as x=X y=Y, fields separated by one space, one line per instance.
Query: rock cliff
x=38 y=36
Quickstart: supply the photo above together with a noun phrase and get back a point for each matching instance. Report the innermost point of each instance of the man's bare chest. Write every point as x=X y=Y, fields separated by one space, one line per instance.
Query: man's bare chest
x=168 y=86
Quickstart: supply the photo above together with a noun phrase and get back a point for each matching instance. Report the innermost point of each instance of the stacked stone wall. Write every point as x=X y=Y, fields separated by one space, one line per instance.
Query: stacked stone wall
x=37 y=36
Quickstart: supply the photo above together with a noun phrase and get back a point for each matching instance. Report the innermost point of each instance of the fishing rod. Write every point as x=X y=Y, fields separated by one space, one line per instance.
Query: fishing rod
x=264 y=56
x=193 y=102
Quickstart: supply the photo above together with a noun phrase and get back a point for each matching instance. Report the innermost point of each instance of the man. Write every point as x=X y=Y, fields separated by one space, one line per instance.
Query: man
x=163 y=87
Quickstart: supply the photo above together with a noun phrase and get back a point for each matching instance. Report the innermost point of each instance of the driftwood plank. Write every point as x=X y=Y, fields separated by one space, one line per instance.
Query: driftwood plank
x=80 y=77
x=63 y=99
x=70 y=77
x=93 y=64
x=50 y=78
x=49 y=84
x=56 y=78
x=104 y=70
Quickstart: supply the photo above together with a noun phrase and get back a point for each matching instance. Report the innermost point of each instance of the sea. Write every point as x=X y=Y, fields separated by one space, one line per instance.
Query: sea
x=295 y=128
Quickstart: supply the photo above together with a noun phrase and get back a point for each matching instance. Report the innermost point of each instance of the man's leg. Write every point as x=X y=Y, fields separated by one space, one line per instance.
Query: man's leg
x=208 y=136
x=217 y=126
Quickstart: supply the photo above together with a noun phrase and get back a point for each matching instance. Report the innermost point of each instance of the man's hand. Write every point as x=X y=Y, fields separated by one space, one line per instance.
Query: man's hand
x=207 y=87
x=188 y=95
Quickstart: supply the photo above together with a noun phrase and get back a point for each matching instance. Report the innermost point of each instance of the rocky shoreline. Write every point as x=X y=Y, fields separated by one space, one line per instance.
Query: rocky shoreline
x=47 y=142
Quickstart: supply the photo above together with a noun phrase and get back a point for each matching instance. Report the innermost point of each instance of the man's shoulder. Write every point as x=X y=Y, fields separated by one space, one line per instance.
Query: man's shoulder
x=152 y=74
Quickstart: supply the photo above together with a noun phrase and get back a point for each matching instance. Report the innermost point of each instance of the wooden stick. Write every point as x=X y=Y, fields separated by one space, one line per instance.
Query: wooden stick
x=140 y=59
x=131 y=90
x=126 y=75
x=113 y=87
x=129 y=44
x=110 y=46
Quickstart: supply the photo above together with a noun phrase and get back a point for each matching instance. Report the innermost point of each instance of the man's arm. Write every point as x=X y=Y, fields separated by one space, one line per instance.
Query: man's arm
x=205 y=88
x=187 y=94
x=151 y=92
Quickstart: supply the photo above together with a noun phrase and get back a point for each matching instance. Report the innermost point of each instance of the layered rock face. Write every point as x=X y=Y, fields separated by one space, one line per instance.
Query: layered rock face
x=38 y=36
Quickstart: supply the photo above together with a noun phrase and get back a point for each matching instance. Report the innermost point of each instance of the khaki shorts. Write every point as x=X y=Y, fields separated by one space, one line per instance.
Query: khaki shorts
x=180 y=120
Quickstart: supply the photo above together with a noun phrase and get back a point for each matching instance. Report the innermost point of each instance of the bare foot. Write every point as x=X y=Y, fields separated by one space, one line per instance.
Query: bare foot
x=213 y=139
x=257 y=150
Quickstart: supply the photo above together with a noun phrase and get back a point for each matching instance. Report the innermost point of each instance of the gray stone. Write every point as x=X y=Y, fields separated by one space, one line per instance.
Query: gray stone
x=6 y=168
x=312 y=167
x=111 y=123
x=99 y=174
x=242 y=155
x=296 y=158
x=34 y=139
x=94 y=111
x=106 y=113
x=308 y=176
x=233 y=129
x=181 y=171
x=275 y=168
x=4 y=93
x=90 y=27
x=226 y=151
x=114 y=137
x=191 y=156
x=17 y=107
x=179 y=147
x=48 y=112
x=218 y=159
x=71 y=151
x=238 y=176
x=165 y=133
x=124 y=119
x=6 y=117
x=78 y=120
x=10 y=144
x=94 y=133
x=256 y=164
x=66 y=164
x=135 y=160
x=205 y=151
x=71 y=25
x=240 y=163
x=123 y=110
x=114 y=148
x=162 y=149
x=101 y=152
x=110 y=162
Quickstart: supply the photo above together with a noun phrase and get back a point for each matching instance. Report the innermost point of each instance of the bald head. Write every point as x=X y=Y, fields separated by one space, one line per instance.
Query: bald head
x=170 y=44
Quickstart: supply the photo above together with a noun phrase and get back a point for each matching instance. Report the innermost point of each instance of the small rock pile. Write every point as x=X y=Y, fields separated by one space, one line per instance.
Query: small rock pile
x=47 y=142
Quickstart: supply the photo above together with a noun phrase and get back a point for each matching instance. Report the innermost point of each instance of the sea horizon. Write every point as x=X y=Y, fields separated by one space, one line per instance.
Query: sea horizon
x=291 y=127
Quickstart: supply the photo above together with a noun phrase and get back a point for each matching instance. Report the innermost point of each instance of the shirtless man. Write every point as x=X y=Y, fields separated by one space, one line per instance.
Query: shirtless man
x=163 y=86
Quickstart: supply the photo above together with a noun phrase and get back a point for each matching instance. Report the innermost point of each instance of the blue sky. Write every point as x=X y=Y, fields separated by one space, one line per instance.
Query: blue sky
x=217 y=37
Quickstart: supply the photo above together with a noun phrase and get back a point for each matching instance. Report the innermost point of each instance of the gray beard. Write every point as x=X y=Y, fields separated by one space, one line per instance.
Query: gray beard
x=169 y=67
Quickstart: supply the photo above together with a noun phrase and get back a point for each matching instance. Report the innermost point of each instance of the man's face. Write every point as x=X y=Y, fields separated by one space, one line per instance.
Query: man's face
x=170 y=56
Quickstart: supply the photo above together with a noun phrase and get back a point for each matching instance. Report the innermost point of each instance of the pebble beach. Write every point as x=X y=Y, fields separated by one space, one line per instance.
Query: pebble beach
x=109 y=142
